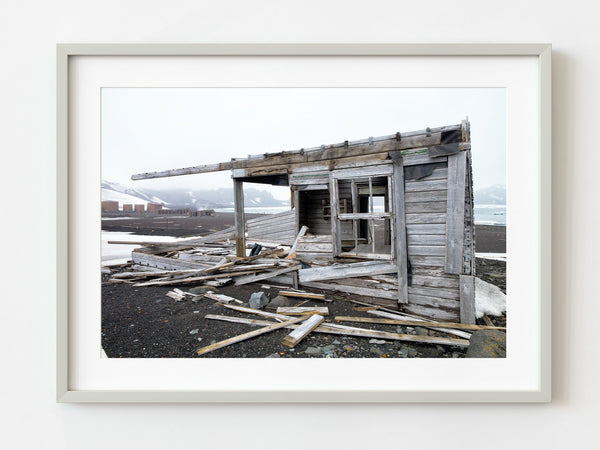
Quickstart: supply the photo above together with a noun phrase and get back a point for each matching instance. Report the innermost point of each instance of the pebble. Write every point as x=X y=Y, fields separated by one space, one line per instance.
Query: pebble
x=196 y=312
x=377 y=341
x=274 y=355
x=199 y=339
x=195 y=331
x=377 y=351
x=422 y=331
x=336 y=342
x=313 y=351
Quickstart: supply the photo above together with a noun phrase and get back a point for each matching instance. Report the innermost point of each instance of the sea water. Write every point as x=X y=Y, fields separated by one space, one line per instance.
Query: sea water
x=490 y=215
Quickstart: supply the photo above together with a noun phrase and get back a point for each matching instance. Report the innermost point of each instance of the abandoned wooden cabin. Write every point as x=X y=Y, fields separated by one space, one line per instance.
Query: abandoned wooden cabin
x=397 y=209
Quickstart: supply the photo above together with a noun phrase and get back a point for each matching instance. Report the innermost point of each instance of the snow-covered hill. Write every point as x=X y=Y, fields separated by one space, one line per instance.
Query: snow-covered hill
x=124 y=194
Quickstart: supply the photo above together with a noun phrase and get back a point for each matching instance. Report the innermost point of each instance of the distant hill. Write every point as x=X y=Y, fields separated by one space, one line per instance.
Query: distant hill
x=184 y=198
x=491 y=195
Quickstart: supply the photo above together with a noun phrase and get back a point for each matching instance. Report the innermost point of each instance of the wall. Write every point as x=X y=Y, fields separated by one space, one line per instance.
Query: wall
x=29 y=31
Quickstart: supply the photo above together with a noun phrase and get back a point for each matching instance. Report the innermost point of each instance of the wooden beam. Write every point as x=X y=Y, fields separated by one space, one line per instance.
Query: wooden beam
x=249 y=335
x=305 y=295
x=346 y=271
x=264 y=276
x=299 y=310
x=414 y=323
x=343 y=150
x=403 y=316
x=455 y=224
x=400 y=231
x=330 y=328
x=292 y=339
x=301 y=233
x=240 y=225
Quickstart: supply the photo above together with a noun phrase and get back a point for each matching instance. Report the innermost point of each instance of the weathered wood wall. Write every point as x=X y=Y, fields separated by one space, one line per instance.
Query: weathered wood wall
x=279 y=228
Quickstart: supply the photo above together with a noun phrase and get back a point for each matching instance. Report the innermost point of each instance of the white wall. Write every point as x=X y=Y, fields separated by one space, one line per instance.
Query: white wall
x=29 y=31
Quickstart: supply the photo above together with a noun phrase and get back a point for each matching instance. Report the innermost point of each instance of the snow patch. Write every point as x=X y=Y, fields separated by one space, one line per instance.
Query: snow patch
x=489 y=299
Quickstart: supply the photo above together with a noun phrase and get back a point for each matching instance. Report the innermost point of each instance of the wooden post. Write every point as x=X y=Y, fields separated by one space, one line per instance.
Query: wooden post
x=240 y=221
x=336 y=237
x=467 y=299
x=455 y=210
x=400 y=228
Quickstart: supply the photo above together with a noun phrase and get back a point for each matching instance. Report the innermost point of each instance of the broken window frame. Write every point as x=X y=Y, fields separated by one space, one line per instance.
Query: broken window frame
x=359 y=176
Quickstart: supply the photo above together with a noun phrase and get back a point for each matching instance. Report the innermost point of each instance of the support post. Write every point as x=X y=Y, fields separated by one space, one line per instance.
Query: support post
x=240 y=220
x=400 y=234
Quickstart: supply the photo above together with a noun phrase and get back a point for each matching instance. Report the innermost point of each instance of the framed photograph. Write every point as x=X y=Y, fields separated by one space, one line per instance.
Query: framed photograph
x=303 y=223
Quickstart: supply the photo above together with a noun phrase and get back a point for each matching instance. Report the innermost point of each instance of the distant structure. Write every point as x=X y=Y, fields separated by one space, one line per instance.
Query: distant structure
x=140 y=209
x=110 y=206
x=128 y=207
x=154 y=207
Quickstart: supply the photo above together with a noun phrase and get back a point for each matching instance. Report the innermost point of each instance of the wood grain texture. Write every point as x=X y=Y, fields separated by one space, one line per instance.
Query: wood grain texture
x=456 y=212
x=467 y=299
x=303 y=330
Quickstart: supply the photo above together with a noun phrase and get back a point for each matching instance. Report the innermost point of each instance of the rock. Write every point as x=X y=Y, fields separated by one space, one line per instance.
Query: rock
x=329 y=347
x=336 y=342
x=314 y=351
x=199 y=339
x=274 y=355
x=377 y=341
x=377 y=351
x=403 y=351
x=280 y=300
x=422 y=331
x=196 y=312
x=195 y=331
x=412 y=352
x=410 y=330
x=258 y=300
x=487 y=344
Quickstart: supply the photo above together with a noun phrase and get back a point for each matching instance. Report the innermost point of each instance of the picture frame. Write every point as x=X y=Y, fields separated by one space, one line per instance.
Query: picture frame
x=69 y=239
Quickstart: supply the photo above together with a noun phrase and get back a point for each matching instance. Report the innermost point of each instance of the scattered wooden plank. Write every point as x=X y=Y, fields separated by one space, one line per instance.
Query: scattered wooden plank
x=190 y=279
x=301 y=233
x=249 y=335
x=222 y=298
x=401 y=316
x=292 y=339
x=264 y=276
x=305 y=295
x=330 y=328
x=258 y=312
x=414 y=323
x=299 y=310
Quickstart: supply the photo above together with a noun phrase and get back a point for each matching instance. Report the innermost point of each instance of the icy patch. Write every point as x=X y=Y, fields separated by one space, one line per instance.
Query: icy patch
x=489 y=299
x=494 y=256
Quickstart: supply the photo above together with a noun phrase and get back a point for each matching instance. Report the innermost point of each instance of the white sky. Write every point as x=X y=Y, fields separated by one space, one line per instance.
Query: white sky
x=149 y=129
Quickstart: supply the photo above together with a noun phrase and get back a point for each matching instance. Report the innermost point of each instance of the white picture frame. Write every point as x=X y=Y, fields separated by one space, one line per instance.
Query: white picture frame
x=536 y=389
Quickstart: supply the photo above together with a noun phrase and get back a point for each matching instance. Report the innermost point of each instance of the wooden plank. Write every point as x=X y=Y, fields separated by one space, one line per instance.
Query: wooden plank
x=245 y=336
x=433 y=196
x=264 y=276
x=162 y=262
x=346 y=271
x=363 y=291
x=426 y=250
x=435 y=281
x=163 y=282
x=240 y=226
x=434 y=313
x=426 y=229
x=426 y=261
x=301 y=233
x=400 y=230
x=434 y=302
x=331 y=328
x=457 y=166
x=448 y=293
x=315 y=248
x=363 y=172
x=292 y=339
x=299 y=310
x=426 y=185
x=426 y=207
x=336 y=237
x=426 y=239
x=467 y=299
x=426 y=218
x=258 y=312
x=416 y=159
x=404 y=316
x=305 y=295
x=222 y=298
x=414 y=323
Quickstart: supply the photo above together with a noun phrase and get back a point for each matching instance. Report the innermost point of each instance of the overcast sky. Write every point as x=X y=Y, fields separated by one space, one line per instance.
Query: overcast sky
x=149 y=129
